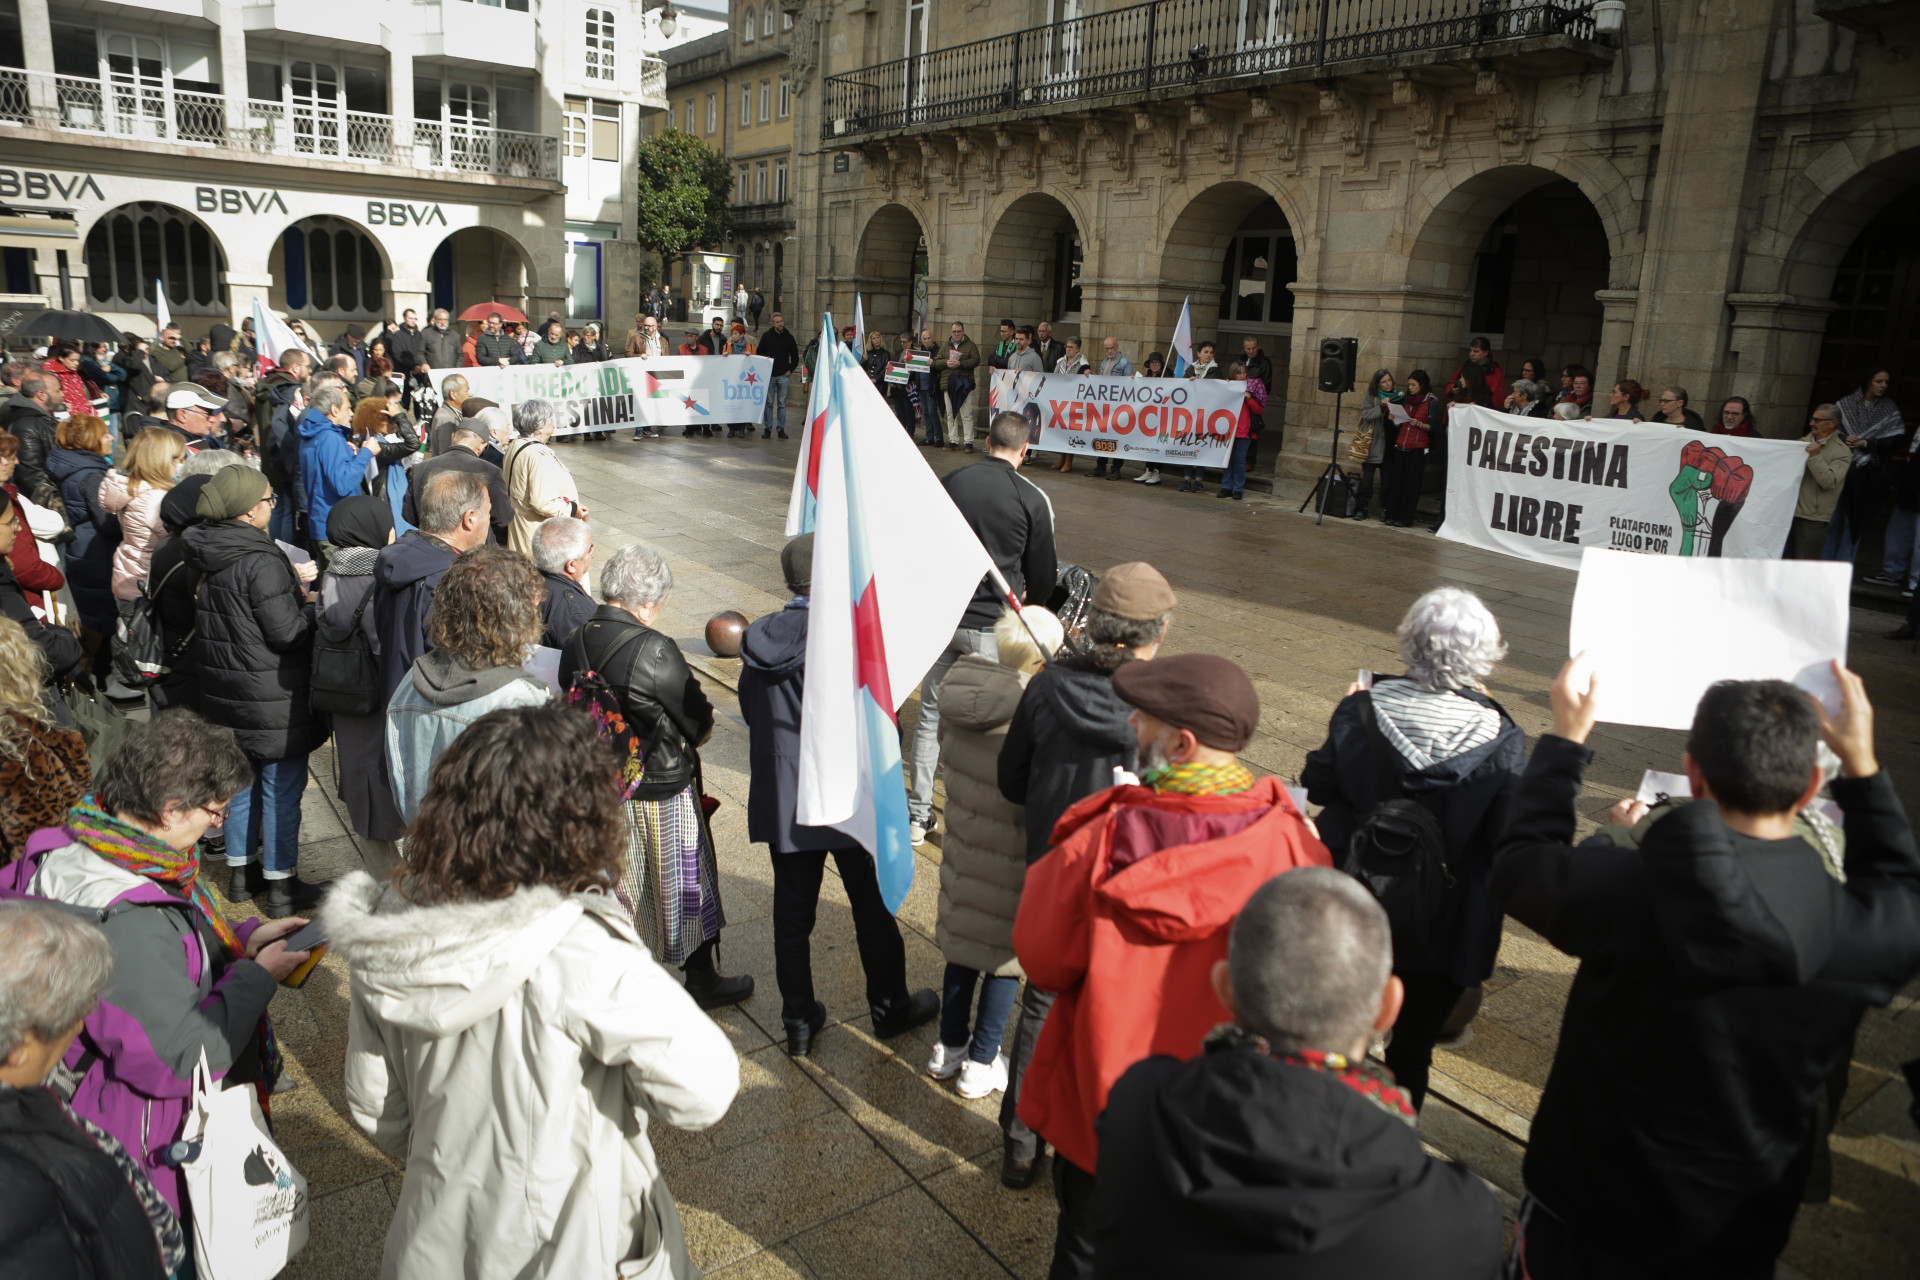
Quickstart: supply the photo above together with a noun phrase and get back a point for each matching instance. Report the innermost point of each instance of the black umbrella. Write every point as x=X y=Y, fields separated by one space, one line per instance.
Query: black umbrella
x=81 y=326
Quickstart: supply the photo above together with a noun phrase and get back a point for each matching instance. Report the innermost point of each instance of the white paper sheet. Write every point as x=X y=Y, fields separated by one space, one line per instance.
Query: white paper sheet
x=294 y=555
x=1397 y=414
x=1658 y=630
x=1656 y=786
x=545 y=665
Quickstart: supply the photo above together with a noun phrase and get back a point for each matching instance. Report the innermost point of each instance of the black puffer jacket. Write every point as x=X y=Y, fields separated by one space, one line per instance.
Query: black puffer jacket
x=174 y=586
x=1068 y=733
x=35 y=428
x=255 y=643
x=66 y=1209
x=657 y=690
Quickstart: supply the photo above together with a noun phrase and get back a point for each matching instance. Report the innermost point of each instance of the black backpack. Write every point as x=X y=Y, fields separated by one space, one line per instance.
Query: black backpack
x=141 y=656
x=1399 y=851
x=345 y=677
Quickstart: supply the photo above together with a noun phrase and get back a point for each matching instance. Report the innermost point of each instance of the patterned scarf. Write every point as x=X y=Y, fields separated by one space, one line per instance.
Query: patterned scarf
x=131 y=849
x=1370 y=1079
x=1196 y=779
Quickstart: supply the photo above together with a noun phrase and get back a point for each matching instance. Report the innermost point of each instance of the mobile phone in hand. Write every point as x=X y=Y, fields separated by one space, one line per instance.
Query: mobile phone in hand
x=308 y=936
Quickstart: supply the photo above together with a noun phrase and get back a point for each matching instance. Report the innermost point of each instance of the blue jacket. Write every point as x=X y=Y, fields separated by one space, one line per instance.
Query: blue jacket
x=773 y=676
x=330 y=468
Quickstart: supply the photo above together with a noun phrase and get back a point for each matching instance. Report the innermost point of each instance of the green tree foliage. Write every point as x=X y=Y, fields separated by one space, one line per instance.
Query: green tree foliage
x=684 y=186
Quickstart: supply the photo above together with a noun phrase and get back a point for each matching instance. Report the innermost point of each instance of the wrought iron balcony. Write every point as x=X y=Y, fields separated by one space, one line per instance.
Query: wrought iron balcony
x=773 y=213
x=1184 y=46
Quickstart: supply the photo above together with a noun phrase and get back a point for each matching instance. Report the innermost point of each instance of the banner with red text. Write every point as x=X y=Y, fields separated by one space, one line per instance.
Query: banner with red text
x=1546 y=490
x=613 y=395
x=1171 y=421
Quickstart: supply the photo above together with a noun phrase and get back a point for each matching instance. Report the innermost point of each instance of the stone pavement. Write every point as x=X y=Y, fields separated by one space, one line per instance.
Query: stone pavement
x=854 y=1164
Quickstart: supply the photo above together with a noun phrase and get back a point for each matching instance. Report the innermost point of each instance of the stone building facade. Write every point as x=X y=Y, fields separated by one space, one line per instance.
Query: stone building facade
x=1718 y=195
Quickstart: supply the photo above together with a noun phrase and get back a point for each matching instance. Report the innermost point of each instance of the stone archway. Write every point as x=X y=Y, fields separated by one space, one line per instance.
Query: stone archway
x=890 y=268
x=327 y=268
x=1525 y=253
x=480 y=264
x=1032 y=265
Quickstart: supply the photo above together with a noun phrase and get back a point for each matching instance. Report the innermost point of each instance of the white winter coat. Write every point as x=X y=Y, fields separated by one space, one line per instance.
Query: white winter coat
x=512 y=1052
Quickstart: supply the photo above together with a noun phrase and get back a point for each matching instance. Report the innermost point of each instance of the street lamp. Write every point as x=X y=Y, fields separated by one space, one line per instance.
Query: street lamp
x=670 y=21
x=1609 y=17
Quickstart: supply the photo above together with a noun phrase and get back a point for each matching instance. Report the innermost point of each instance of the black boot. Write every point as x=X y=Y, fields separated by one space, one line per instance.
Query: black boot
x=704 y=983
x=291 y=896
x=244 y=882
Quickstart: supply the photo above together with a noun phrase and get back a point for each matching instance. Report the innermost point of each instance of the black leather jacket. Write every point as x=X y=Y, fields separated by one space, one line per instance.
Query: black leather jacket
x=657 y=691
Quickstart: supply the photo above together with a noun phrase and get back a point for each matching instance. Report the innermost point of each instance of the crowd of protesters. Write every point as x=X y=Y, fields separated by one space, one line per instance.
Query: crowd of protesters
x=1216 y=1012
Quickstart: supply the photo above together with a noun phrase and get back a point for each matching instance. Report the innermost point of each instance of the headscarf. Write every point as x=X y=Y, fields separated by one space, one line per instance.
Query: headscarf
x=359 y=522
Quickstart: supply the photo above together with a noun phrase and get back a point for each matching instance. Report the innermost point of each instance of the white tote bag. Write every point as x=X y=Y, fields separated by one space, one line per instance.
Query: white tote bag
x=249 y=1205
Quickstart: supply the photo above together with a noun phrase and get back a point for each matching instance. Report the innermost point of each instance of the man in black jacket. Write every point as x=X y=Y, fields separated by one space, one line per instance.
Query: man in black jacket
x=563 y=553
x=455 y=516
x=1065 y=739
x=253 y=651
x=30 y=417
x=495 y=346
x=779 y=345
x=1014 y=521
x=773 y=657
x=407 y=346
x=1282 y=1151
x=1724 y=968
x=440 y=342
x=464 y=444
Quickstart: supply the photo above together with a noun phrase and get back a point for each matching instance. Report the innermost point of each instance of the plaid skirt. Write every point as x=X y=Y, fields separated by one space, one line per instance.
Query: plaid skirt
x=671 y=880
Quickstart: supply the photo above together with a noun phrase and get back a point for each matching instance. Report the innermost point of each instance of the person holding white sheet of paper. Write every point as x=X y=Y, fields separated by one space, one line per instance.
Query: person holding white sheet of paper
x=1723 y=972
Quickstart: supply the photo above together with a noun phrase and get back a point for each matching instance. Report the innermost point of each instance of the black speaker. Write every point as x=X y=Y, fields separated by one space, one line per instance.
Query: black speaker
x=1337 y=359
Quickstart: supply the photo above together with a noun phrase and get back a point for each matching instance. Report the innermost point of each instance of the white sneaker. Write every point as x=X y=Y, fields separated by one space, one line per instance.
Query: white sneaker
x=978 y=1079
x=1141 y=478
x=917 y=834
x=947 y=1059
x=1152 y=477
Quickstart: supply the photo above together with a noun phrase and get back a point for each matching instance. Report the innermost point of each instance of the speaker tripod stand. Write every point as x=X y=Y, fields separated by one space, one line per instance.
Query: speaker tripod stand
x=1332 y=474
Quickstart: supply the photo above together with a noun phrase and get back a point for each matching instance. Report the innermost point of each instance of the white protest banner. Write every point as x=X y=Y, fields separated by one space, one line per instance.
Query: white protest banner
x=1546 y=490
x=667 y=391
x=1188 y=421
x=1658 y=630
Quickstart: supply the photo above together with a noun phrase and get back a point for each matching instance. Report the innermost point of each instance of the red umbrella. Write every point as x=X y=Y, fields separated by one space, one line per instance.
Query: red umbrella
x=481 y=310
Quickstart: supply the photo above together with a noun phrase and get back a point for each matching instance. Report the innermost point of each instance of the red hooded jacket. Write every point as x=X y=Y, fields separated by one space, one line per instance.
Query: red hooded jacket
x=1123 y=919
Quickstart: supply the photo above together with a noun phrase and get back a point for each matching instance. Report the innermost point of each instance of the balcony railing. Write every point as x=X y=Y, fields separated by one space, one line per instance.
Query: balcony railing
x=653 y=82
x=765 y=213
x=151 y=112
x=1172 y=46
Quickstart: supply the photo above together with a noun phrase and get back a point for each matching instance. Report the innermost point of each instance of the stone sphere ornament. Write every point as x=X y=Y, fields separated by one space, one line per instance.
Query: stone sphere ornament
x=724 y=631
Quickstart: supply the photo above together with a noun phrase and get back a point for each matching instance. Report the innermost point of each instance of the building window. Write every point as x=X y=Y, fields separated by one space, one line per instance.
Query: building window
x=599 y=44
x=573 y=128
x=760 y=183
x=687 y=118
x=786 y=97
x=786 y=20
x=742 y=176
x=780 y=181
x=1258 y=267
x=766 y=101
x=766 y=21
x=330 y=267
x=746 y=102
x=136 y=244
x=1066 y=273
x=606 y=136
x=747 y=28
x=713 y=112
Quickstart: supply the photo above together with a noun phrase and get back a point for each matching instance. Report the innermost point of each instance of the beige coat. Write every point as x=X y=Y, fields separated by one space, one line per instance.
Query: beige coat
x=983 y=861
x=541 y=488
x=1826 y=472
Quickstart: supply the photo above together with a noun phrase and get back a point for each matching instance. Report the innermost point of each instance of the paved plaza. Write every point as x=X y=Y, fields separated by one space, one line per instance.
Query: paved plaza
x=853 y=1163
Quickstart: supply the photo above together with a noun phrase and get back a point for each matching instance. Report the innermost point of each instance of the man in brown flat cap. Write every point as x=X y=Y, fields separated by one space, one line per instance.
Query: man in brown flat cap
x=1127 y=914
x=1067 y=735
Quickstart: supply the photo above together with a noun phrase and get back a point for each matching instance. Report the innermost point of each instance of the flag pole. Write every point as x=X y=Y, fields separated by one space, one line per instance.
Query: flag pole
x=1006 y=590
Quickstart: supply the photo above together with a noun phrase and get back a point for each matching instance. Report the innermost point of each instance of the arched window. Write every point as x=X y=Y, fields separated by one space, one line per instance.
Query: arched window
x=747 y=28
x=599 y=44
x=331 y=268
x=132 y=246
x=766 y=21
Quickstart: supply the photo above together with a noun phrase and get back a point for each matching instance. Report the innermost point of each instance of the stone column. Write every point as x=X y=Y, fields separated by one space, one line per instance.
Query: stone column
x=400 y=95
x=36 y=37
x=1775 y=340
x=242 y=287
x=233 y=67
x=412 y=291
x=1619 y=310
x=1713 y=90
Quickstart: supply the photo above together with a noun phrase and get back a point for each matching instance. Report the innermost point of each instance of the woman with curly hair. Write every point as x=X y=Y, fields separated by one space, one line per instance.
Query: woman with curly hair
x=43 y=768
x=509 y=1037
x=671 y=877
x=485 y=623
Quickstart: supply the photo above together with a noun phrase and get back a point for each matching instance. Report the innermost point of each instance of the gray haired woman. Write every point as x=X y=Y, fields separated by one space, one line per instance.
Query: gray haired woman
x=1432 y=736
x=539 y=484
x=670 y=879
x=77 y=1203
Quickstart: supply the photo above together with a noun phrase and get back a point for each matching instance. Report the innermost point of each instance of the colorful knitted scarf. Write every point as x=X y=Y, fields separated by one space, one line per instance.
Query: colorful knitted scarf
x=1196 y=779
x=1370 y=1079
x=131 y=849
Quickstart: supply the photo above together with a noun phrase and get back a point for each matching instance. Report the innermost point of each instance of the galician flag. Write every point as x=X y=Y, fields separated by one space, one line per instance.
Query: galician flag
x=1181 y=358
x=859 y=326
x=805 y=498
x=894 y=565
x=161 y=316
x=271 y=336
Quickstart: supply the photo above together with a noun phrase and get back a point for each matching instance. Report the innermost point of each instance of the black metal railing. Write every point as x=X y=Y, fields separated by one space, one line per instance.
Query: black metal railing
x=1172 y=46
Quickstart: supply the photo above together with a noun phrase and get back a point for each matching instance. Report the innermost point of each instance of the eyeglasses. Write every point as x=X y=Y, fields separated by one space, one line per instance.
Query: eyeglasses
x=218 y=813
